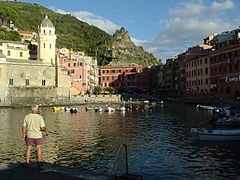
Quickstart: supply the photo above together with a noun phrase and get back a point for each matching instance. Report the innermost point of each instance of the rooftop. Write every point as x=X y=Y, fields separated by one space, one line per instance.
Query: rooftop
x=46 y=22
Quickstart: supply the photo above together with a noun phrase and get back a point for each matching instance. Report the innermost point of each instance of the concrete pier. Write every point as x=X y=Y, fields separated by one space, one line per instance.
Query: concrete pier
x=16 y=171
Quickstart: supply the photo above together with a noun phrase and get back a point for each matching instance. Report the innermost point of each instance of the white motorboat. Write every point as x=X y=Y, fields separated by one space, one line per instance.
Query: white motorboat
x=217 y=134
x=205 y=107
x=122 y=108
x=109 y=109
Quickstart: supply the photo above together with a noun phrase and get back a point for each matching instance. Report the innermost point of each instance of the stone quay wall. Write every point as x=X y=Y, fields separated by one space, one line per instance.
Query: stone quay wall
x=47 y=97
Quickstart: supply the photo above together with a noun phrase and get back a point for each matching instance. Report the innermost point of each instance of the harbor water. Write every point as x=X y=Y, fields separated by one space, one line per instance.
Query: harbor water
x=159 y=142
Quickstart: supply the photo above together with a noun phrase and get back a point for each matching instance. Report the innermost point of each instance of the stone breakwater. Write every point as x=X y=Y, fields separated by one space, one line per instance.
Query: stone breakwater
x=73 y=100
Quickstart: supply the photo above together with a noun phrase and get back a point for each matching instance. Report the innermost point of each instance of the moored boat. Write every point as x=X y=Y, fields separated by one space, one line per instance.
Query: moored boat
x=89 y=108
x=204 y=107
x=109 y=109
x=217 y=134
x=57 y=109
x=98 y=109
x=121 y=109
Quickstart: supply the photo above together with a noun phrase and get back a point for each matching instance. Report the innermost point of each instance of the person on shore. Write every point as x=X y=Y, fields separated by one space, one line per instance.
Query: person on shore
x=32 y=126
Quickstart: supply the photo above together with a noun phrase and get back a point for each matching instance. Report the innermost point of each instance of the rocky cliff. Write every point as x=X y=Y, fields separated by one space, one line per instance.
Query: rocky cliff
x=124 y=50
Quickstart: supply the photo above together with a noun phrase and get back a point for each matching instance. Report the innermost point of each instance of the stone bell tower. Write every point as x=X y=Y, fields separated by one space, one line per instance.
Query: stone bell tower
x=46 y=42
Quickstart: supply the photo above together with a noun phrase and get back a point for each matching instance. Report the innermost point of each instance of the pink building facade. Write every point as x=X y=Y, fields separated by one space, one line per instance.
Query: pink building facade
x=83 y=71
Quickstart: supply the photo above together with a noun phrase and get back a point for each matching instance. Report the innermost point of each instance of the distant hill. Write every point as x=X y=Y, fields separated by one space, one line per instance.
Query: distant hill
x=76 y=34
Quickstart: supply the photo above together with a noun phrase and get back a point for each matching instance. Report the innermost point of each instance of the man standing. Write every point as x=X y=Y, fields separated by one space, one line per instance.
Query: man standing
x=31 y=132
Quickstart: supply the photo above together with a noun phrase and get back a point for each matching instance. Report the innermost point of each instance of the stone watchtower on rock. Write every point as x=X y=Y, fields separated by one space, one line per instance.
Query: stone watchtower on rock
x=46 y=41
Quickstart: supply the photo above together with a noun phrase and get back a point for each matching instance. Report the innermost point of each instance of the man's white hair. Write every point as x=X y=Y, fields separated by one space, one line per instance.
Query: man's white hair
x=34 y=107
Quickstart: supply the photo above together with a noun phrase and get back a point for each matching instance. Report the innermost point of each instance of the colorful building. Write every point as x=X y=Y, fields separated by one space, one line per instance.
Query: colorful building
x=124 y=77
x=225 y=68
x=193 y=66
x=83 y=70
x=14 y=50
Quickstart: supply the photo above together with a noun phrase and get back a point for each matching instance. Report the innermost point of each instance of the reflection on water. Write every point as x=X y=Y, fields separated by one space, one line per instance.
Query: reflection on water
x=159 y=142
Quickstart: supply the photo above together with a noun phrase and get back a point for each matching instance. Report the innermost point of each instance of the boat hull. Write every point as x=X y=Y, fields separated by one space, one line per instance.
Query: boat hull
x=219 y=137
x=217 y=134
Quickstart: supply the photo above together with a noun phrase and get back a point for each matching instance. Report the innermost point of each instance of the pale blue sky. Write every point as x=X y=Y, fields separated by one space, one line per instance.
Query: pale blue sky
x=163 y=27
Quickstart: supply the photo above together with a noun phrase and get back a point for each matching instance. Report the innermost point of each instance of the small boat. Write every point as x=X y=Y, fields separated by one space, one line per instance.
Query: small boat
x=160 y=102
x=57 y=109
x=232 y=121
x=98 y=109
x=217 y=134
x=73 y=110
x=89 y=108
x=121 y=108
x=109 y=109
x=205 y=107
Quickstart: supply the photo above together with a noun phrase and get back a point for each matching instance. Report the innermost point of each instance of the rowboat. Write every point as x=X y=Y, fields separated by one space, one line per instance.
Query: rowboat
x=57 y=109
x=98 y=109
x=217 y=134
x=89 y=108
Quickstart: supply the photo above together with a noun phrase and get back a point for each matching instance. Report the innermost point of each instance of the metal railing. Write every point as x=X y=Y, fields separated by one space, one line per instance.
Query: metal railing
x=125 y=160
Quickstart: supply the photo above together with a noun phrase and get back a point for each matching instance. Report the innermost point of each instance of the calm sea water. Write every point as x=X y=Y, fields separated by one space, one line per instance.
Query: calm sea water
x=159 y=142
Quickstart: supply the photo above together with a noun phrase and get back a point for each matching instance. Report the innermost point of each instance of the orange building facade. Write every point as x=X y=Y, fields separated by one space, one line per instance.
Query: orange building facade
x=124 y=77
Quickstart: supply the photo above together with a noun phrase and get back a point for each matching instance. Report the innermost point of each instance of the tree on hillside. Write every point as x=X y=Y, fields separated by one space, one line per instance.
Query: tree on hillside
x=7 y=14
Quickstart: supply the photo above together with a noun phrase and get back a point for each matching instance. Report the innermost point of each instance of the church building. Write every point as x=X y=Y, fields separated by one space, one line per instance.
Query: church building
x=25 y=80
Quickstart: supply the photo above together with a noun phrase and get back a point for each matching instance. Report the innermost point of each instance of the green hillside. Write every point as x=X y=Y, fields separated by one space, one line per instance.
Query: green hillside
x=71 y=32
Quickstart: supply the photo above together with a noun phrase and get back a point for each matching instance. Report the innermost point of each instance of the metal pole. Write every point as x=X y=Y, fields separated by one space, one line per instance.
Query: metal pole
x=126 y=158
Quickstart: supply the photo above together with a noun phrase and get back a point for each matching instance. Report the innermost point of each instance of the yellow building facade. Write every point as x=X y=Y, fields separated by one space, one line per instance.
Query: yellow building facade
x=14 y=50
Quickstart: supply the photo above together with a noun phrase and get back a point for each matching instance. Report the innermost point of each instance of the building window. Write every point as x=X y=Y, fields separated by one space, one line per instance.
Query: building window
x=230 y=68
x=44 y=45
x=206 y=70
x=236 y=67
x=80 y=64
x=74 y=64
x=49 y=32
x=10 y=81
x=235 y=53
x=21 y=54
x=69 y=64
x=50 y=46
x=80 y=76
x=107 y=71
x=44 y=31
x=113 y=77
x=8 y=53
x=107 y=78
x=225 y=68
x=0 y=51
x=27 y=82
x=0 y=43
x=43 y=82
x=103 y=71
